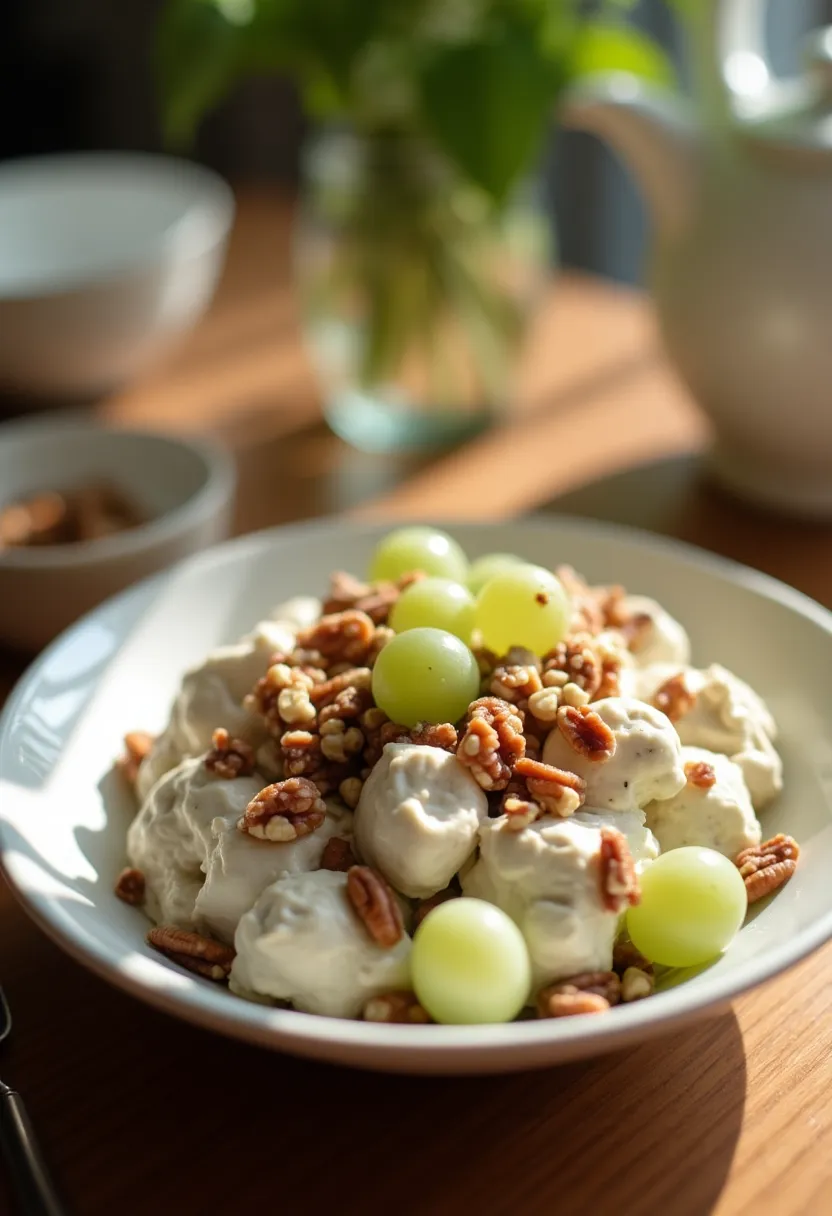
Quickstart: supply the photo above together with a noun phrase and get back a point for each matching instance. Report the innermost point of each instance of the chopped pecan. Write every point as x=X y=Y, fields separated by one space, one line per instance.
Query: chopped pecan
x=376 y=600
x=557 y=791
x=586 y=732
x=281 y=696
x=579 y=662
x=229 y=758
x=610 y=685
x=284 y=811
x=378 y=641
x=350 y=679
x=438 y=734
x=515 y=683
x=519 y=810
x=674 y=698
x=130 y=886
x=137 y=745
x=590 y=992
x=492 y=742
x=544 y=705
x=401 y=1007
x=767 y=866
x=302 y=755
x=195 y=952
x=348 y=705
x=375 y=903
x=636 y=984
x=337 y=855
x=341 y=637
x=625 y=955
x=700 y=774
x=433 y=901
x=587 y=611
x=620 y=887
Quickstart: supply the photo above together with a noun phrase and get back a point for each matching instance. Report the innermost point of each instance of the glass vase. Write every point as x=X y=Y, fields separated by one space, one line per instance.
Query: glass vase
x=415 y=291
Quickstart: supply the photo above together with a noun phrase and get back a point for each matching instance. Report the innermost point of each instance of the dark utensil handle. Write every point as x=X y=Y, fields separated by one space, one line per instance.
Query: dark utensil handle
x=29 y=1177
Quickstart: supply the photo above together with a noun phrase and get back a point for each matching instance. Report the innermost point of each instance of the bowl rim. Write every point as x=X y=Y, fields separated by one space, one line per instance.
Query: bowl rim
x=213 y=198
x=305 y=1033
x=215 y=492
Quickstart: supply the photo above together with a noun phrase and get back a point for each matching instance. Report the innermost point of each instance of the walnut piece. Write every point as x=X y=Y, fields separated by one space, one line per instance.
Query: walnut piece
x=229 y=758
x=590 y=992
x=700 y=774
x=341 y=637
x=399 y=1007
x=587 y=611
x=577 y=659
x=376 y=905
x=555 y=790
x=515 y=683
x=130 y=886
x=619 y=883
x=195 y=952
x=767 y=866
x=137 y=745
x=337 y=855
x=350 y=791
x=376 y=600
x=438 y=734
x=492 y=742
x=586 y=732
x=674 y=698
x=636 y=984
x=339 y=742
x=284 y=811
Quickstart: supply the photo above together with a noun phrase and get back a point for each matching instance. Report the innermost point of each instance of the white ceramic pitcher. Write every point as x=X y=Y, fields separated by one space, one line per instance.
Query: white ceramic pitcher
x=740 y=190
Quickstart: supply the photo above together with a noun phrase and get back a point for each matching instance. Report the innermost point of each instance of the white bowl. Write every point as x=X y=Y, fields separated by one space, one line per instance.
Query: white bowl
x=105 y=258
x=64 y=815
x=184 y=487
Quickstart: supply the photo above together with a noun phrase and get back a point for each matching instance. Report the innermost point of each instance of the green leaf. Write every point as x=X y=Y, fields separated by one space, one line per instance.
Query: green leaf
x=487 y=104
x=199 y=56
x=607 y=47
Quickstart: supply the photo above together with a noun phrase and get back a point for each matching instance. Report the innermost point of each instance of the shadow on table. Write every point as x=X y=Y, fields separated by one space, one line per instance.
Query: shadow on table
x=675 y=497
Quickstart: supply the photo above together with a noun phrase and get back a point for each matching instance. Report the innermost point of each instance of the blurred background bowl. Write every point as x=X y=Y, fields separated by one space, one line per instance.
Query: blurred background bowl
x=105 y=258
x=184 y=488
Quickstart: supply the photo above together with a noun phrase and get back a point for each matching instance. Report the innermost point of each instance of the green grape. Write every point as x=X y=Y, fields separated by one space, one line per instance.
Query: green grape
x=484 y=568
x=418 y=549
x=436 y=602
x=425 y=675
x=470 y=963
x=522 y=606
x=693 y=903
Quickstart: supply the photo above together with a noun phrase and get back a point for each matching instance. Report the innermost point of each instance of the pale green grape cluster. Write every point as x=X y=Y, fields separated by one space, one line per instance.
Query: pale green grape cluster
x=438 y=603
x=693 y=903
x=522 y=605
x=425 y=675
x=425 y=549
x=470 y=964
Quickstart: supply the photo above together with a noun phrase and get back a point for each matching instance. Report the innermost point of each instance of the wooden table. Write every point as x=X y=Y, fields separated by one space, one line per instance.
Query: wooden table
x=140 y=1113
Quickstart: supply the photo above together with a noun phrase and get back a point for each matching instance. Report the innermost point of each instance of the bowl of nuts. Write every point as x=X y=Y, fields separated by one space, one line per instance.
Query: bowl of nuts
x=86 y=510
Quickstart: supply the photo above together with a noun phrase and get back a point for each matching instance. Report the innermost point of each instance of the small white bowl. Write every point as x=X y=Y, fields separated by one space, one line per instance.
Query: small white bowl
x=105 y=258
x=64 y=814
x=184 y=487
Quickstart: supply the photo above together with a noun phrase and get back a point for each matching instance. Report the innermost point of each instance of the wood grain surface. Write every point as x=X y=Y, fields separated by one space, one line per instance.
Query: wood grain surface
x=140 y=1114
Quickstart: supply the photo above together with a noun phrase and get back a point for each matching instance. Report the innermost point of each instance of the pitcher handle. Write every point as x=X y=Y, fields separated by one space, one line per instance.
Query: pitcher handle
x=745 y=65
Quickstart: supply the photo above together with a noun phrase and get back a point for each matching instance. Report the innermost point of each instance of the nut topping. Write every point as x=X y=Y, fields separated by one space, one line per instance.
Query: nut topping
x=375 y=903
x=556 y=791
x=284 y=811
x=137 y=745
x=767 y=866
x=337 y=855
x=586 y=732
x=674 y=698
x=341 y=637
x=196 y=953
x=229 y=758
x=492 y=742
x=401 y=1007
x=617 y=872
x=700 y=774
x=590 y=992
x=130 y=886
x=636 y=984
x=515 y=683
x=433 y=901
